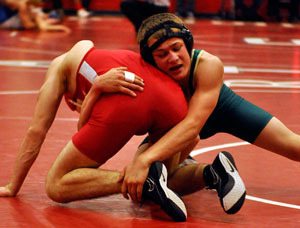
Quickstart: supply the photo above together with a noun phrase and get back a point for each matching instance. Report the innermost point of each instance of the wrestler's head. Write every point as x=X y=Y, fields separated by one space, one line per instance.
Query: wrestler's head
x=167 y=44
x=157 y=29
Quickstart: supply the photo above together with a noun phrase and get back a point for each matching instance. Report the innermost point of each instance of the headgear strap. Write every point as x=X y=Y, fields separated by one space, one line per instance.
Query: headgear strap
x=184 y=33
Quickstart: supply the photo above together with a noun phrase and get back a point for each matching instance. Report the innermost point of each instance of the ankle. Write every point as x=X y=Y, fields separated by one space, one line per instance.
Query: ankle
x=210 y=177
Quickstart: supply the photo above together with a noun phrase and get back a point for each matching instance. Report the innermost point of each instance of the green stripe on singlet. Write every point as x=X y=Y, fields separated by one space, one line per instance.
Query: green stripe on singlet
x=195 y=55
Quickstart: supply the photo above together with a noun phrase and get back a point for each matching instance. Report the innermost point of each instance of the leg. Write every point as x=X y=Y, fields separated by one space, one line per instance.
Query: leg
x=73 y=176
x=187 y=179
x=276 y=137
x=221 y=175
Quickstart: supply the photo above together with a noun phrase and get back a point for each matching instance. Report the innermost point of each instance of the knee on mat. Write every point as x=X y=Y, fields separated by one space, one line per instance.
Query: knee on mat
x=55 y=192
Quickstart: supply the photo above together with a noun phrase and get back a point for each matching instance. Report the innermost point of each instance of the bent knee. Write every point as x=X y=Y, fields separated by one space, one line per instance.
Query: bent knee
x=54 y=190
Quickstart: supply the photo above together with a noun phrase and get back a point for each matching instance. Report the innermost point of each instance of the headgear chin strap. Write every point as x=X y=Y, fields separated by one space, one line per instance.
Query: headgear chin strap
x=184 y=33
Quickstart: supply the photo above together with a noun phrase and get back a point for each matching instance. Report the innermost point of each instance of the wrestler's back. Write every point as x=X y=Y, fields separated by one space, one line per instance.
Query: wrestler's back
x=116 y=117
x=158 y=108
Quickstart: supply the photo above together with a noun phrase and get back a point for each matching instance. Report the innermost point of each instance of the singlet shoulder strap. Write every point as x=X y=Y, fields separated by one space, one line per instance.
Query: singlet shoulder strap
x=195 y=57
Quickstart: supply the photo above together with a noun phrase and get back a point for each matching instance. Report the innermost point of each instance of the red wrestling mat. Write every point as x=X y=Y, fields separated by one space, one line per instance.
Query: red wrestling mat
x=262 y=63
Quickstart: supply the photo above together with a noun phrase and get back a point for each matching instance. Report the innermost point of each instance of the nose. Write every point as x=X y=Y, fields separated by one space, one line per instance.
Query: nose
x=173 y=57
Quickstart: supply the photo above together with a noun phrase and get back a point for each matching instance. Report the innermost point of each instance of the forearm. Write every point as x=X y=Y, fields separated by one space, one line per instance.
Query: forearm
x=182 y=136
x=201 y=106
x=27 y=154
x=141 y=149
x=176 y=140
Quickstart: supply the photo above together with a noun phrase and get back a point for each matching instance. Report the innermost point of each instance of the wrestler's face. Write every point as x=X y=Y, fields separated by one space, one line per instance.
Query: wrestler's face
x=172 y=58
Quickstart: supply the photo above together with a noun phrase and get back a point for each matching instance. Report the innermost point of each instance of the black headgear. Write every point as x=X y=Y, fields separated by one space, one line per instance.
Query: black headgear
x=184 y=33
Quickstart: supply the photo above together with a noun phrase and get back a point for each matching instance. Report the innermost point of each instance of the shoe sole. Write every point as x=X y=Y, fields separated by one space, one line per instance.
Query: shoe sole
x=168 y=200
x=235 y=197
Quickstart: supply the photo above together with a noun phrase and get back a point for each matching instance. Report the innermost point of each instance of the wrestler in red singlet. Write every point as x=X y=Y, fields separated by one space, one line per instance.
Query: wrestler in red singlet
x=117 y=117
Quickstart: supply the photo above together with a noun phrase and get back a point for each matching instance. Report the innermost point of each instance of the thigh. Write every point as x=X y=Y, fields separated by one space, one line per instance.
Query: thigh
x=236 y=116
x=246 y=121
x=276 y=137
x=70 y=158
x=111 y=125
x=103 y=141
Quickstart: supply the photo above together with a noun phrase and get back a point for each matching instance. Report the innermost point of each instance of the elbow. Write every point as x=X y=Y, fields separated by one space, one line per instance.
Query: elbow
x=36 y=133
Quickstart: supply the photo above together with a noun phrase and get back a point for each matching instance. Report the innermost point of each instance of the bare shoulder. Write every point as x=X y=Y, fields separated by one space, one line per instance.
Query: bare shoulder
x=210 y=69
x=78 y=51
x=75 y=55
x=209 y=59
x=82 y=47
x=64 y=67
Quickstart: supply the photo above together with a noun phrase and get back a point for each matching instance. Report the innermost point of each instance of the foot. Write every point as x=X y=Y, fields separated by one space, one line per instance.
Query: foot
x=82 y=13
x=223 y=176
x=155 y=189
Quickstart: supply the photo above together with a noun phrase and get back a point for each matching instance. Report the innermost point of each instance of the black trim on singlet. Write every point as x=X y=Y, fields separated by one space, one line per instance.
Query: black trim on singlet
x=196 y=52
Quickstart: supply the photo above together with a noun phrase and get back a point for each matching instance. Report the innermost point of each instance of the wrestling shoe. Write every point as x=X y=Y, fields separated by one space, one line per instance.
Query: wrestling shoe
x=155 y=189
x=223 y=176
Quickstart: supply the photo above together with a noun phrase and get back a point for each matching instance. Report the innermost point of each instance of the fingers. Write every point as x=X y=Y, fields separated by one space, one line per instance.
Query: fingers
x=133 y=190
x=124 y=190
x=133 y=78
x=132 y=86
x=138 y=81
x=129 y=88
x=127 y=91
x=129 y=77
x=124 y=185
x=121 y=177
x=139 y=192
x=132 y=193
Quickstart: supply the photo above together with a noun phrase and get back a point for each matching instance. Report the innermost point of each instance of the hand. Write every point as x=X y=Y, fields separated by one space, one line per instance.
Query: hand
x=6 y=192
x=114 y=81
x=134 y=176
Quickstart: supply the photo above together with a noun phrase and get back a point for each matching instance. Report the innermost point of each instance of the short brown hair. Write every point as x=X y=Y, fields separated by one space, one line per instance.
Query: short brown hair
x=162 y=27
x=154 y=21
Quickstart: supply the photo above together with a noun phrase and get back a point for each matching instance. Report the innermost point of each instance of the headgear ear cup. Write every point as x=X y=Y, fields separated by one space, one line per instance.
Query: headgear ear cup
x=146 y=54
x=184 y=33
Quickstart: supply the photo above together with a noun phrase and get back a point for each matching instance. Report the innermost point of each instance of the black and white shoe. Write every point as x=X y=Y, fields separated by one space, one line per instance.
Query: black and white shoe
x=223 y=176
x=156 y=190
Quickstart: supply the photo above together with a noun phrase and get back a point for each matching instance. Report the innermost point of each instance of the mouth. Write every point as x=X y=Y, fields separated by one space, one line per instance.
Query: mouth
x=175 y=69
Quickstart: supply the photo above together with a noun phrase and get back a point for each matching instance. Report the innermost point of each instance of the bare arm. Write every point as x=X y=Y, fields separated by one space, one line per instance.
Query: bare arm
x=201 y=105
x=46 y=107
x=44 y=24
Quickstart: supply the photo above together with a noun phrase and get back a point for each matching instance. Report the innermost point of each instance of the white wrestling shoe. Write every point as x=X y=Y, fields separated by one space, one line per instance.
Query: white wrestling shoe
x=155 y=189
x=223 y=176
